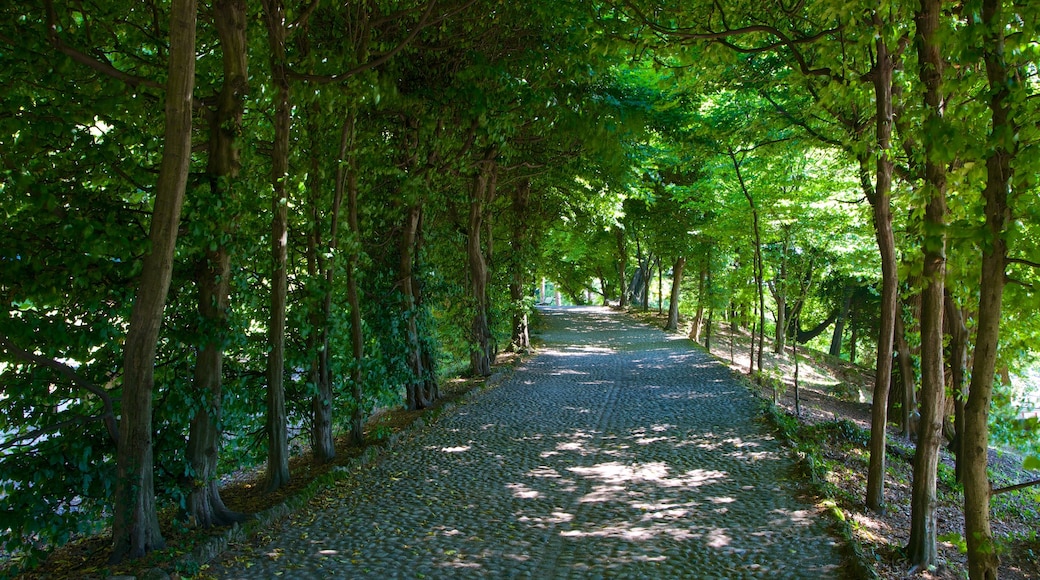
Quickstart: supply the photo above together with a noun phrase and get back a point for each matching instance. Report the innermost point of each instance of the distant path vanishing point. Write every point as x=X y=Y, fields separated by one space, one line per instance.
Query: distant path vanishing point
x=617 y=452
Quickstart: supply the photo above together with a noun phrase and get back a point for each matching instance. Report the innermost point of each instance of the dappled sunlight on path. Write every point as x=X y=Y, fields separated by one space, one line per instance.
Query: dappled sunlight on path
x=616 y=452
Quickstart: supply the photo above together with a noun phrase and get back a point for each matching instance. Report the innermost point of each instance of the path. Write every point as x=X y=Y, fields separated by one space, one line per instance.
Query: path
x=617 y=452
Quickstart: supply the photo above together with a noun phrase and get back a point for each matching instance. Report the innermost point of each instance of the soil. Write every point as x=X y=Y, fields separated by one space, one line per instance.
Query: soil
x=831 y=390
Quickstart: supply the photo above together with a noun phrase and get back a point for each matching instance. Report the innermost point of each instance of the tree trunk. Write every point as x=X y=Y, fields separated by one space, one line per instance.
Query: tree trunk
x=982 y=555
x=707 y=334
x=906 y=376
x=349 y=176
x=481 y=353
x=619 y=236
x=853 y=336
x=322 y=440
x=751 y=354
x=414 y=392
x=660 y=285
x=797 y=397
x=698 y=319
x=757 y=244
x=839 y=324
x=322 y=445
x=922 y=549
x=204 y=505
x=276 y=427
x=710 y=290
x=135 y=527
x=431 y=388
x=520 y=341
x=673 y=301
x=880 y=198
x=779 y=333
x=958 y=363
x=648 y=279
x=779 y=289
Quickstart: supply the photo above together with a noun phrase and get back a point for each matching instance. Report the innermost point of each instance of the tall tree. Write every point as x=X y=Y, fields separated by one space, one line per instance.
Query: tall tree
x=1001 y=151
x=135 y=528
x=880 y=196
x=922 y=550
x=205 y=505
x=277 y=422
x=482 y=193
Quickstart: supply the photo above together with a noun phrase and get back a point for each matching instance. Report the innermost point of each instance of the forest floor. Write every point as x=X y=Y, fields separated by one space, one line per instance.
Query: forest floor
x=833 y=392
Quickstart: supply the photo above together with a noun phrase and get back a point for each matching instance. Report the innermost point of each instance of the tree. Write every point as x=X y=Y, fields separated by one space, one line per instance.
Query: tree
x=205 y=505
x=135 y=530
x=1001 y=151
x=276 y=428
x=922 y=546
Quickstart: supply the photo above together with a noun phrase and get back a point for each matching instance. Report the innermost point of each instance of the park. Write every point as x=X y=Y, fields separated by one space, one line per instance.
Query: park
x=386 y=244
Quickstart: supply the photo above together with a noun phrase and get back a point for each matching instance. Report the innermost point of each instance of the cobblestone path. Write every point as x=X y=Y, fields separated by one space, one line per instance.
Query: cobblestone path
x=617 y=452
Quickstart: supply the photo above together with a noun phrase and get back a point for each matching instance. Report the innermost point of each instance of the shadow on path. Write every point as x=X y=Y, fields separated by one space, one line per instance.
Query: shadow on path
x=618 y=451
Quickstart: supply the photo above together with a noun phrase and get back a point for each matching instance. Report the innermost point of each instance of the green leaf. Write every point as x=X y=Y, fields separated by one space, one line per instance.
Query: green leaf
x=1032 y=463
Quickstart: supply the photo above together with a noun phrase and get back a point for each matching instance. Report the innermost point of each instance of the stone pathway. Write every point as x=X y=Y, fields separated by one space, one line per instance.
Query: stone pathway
x=617 y=452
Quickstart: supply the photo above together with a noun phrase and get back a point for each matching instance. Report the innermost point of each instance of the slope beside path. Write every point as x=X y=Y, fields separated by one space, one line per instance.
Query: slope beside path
x=617 y=452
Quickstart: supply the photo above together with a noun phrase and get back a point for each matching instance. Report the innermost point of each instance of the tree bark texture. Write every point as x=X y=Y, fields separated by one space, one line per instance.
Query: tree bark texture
x=135 y=527
x=922 y=549
x=622 y=265
x=982 y=556
x=953 y=319
x=520 y=341
x=483 y=192
x=880 y=196
x=204 y=505
x=276 y=426
x=673 y=301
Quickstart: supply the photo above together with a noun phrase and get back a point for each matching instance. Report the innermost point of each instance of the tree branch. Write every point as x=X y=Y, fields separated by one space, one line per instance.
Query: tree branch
x=69 y=373
x=1015 y=487
x=305 y=14
x=1023 y=261
x=801 y=123
x=85 y=59
x=686 y=34
x=425 y=21
x=28 y=437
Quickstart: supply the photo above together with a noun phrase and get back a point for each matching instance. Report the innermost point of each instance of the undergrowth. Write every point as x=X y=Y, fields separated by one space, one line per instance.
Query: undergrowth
x=809 y=441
